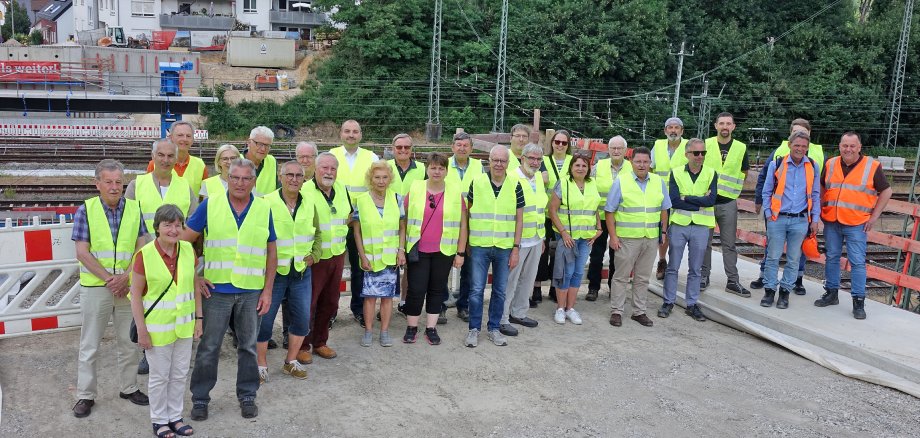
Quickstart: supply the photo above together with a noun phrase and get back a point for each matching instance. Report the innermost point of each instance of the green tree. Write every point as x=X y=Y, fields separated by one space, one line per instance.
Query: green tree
x=15 y=13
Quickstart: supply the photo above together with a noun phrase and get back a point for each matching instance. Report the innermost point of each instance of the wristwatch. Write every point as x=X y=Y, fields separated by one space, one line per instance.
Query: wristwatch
x=517 y=245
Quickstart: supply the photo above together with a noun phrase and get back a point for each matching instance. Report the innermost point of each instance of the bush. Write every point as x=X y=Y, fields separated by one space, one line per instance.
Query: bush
x=36 y=38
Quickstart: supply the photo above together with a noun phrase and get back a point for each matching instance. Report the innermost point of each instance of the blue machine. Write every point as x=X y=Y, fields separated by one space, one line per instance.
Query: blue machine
x=170 y=85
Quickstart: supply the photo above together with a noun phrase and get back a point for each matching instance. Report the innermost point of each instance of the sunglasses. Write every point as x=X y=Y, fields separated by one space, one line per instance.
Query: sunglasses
x=431 y=203
x=697 y=153
x=560 y=142
x=331 y=207
x=402 y=148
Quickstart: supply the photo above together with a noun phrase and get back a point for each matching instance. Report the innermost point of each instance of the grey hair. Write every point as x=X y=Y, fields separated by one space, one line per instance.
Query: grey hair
x=172 y=127
x=157 y=143
x=290 y=163
x=400 y=137
x=224 y=148
x=616 y=138
x=532 y=147
x=167 y=213
x=499 y=148
x=306 y=143
x=327 y=155
x=520 y=127
x=263 y=131
x=243 y=162
x=108 y=165
x=799 y=134
x=693 y=141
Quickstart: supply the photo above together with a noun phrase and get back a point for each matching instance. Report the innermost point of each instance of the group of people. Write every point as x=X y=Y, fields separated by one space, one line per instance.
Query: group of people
x=275 y=238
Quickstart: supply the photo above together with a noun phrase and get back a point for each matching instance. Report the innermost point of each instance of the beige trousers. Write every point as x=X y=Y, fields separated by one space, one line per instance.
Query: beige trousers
x=636 y=256
x=97 y=304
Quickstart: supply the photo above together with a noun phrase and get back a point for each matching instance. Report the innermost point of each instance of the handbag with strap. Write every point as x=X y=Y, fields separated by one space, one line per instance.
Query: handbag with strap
x=133 y=331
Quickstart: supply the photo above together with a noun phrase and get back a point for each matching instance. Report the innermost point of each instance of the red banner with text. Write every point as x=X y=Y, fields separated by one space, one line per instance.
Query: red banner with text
x=29 y=71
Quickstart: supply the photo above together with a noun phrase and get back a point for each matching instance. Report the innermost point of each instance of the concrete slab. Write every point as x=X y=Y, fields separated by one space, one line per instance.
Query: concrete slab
x=876 y=350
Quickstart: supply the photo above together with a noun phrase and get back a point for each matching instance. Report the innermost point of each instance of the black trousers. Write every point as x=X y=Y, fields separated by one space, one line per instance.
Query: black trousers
x=427 y=283
x=596 y=260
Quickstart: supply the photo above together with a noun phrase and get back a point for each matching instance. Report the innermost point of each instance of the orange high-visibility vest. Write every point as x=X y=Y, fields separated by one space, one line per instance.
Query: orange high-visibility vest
x=849 y=199
x=780 y=175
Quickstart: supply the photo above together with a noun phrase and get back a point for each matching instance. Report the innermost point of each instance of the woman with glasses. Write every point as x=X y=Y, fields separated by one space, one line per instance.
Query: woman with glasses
x=167 y=313
x=573 y=212
x=379 y=224
x=435 y=236
x=218 y=183
x=557 y=167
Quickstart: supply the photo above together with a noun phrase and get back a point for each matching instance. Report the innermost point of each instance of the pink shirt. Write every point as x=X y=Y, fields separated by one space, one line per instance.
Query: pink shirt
x=433 y=223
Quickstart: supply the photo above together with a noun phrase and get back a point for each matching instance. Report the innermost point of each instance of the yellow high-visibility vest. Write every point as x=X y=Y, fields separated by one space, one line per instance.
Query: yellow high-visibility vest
x=174 y=316
x=147 y=193
x=236 y=255
x=473 y=169
x=731 y=177
x=267 y=181
x=639 y=213
x=706 y=215
x=492 y=219
x=379 y=234
x=333 y=226
x=353 y=178
x=663 y=162
x=402 y=185
x=578 y=210
x=450 y=222
x=193 y=173
x=114 y=256
x=294 y=236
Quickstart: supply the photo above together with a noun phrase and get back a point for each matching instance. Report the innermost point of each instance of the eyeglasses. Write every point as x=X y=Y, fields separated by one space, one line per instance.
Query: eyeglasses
x=560 y=142
x=402 y=148
x=497 y=161
x=431 y=203
x=312 y=157
x=533 y=158
x=294 y=176
x=226 y=159
x=238 y=179
x=697 y=153
x=259 y=144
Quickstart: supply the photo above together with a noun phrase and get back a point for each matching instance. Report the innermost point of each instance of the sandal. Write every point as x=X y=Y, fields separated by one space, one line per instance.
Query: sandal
x=163 y=431
x=185 y=430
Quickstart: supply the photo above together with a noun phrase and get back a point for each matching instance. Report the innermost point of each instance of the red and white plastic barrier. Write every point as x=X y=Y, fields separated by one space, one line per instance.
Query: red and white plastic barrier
x=45 y=130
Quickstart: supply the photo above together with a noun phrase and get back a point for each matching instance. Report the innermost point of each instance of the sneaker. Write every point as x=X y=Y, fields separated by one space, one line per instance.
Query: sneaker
x=367 y=339
x=757 y=284
x=263 y=375
x=737 y=289
x=573 y=316
x=497 y=338
x=665 y=310
x=463 y=314
x=559 y=316
x=385 y=339
x=294 y=369
x=592 y=295
x=411 y=334
x=442 y=317
x=507 y=330
x=248 y=409
x=360 y=319
x=199 y=412
x=472 y=338
x=431 y=334
x=401 y=309
x=695 y=312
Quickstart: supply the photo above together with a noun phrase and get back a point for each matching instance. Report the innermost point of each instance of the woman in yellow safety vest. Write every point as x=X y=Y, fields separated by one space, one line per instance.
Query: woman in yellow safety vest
x=167 y=313
x=218 y=183
x=573 y=211
x=436 y=230
x=378 y=223
x=557 y=166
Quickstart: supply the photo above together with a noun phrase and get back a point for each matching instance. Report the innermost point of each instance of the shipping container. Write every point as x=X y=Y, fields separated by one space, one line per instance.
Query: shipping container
x=260 y=52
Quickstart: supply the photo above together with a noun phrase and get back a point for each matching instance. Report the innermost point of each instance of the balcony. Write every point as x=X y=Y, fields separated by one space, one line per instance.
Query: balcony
x=297 y=18
x=196 y=22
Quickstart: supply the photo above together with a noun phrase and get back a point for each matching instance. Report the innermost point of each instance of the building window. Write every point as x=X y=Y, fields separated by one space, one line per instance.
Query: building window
x=282 y=5
x=250 y=6
x=142 y=8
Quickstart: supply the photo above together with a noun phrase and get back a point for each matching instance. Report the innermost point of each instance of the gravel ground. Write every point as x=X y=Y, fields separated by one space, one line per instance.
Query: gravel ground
x=679 y=378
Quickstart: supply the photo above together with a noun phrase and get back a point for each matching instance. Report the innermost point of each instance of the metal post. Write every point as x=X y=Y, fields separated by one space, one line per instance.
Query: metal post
x=433 y=127
x=680 y=71
x=498 y=119
x=897 y=78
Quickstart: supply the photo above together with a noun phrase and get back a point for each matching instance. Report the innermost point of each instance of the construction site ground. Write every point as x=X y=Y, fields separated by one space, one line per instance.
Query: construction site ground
x=678 y=378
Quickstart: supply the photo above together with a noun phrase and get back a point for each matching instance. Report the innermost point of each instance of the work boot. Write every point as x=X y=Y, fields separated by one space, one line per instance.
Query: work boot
x=859 y=307
x=799 y=288
x=757 y=284
x=828 y=299
x=592 y=295
x=767 y=300
x=783 y=301
x=662 y=265
x=552 y=293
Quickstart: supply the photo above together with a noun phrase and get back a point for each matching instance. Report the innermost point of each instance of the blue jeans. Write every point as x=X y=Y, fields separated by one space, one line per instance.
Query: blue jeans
x=763 y=261
x=574 y=272
x=481 y=259
x=788 y=231
x=835 y=234
x=297 y=288
x=694 y=237
x=216 y=311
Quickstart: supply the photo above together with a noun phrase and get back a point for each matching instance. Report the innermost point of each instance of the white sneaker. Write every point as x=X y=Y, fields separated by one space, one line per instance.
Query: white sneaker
x=559 y=317
x=263 y=375
x=472 y=338
x=573 y=316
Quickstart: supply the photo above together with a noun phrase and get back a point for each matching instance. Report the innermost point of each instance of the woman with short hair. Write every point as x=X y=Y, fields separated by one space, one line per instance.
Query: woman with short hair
x=218 y=183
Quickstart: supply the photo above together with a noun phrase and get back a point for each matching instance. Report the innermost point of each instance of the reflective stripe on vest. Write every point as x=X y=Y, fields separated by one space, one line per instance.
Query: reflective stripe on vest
x=174 y=316
x=402 y=185
x=353 y=177
x=534 y=224
x=236 y=256
x=731 y=177
x=492 y=219
x=193 y=173
x=776 y=203
x=639 y=213
x=295 y=236
x=147 y=193
x=849 y=199
x=663 y=162
x=706 y=215
x=418 y=201
x=115 y=257
x=577 y=210
x=333 y=228
x=379 y=234
x=267 y=181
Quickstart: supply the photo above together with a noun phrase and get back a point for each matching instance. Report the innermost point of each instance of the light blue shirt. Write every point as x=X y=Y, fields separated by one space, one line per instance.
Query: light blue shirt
x=795 y=198
x=615 y=195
